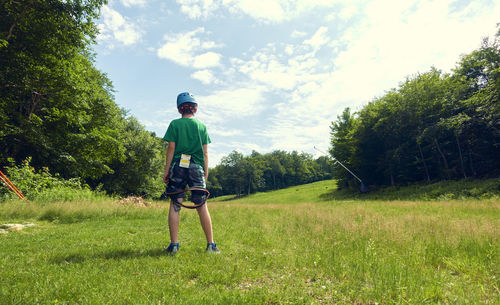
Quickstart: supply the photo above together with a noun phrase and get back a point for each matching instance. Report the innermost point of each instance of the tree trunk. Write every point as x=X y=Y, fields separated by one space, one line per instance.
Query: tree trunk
x=21 y=16
x=443 y=157
x=460 y=154
x=425 y=164
x=470 y=161
x=35 y=99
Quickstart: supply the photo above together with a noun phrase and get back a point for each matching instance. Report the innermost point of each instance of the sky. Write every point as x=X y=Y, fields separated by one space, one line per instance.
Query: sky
x=273 y=74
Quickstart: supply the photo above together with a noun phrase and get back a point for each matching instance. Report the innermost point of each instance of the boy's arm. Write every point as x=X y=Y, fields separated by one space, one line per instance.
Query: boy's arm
x=205 y=157
x=170 y=156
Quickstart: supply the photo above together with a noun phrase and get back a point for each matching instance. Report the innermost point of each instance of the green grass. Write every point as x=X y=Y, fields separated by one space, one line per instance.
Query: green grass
x=290 y=246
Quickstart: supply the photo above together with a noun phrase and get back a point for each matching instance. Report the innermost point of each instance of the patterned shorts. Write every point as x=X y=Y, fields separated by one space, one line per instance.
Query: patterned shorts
x=180 y=177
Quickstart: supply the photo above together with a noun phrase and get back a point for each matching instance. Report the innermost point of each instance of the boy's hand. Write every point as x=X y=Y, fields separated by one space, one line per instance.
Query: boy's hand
x=166 y=177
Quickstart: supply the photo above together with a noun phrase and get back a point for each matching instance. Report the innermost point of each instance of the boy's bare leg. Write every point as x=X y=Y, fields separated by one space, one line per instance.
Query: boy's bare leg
x=173 y=222
x=206 y=222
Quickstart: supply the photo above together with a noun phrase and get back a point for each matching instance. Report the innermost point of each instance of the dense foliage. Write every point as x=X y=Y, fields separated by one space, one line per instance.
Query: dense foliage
x=435 y=126
x=238 y=174
x=43 y=186
x=58 y=109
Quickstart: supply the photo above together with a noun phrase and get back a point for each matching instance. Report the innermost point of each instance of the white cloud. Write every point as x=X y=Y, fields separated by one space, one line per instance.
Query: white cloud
x=234 y=102
x=214 y=155
x=348 y=12
x=398 y=40
x=204 y=76
x=266 y=10
x=206 y=60
x=269 y=11
x=292 y=134
x=319 y=38
x=130 y=3
x=269 y=68
x=117 y=29
x=392 y=41
x=183 y=48
x=225 y=132
x=197 y=8
x=298 y=34
x=246 y=147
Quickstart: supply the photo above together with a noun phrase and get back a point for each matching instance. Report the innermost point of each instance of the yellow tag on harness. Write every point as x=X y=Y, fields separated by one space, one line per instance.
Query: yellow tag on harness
x=185 y=160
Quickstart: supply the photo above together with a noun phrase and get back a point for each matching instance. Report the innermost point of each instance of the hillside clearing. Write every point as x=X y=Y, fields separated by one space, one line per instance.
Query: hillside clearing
x=296 y=250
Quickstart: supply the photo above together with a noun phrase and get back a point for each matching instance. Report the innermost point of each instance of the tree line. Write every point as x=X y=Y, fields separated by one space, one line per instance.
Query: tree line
x=58 y=109
x=434 y=126
x=242 y=175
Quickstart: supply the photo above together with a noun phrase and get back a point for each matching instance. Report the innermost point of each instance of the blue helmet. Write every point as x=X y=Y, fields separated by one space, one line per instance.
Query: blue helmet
x=185 y=97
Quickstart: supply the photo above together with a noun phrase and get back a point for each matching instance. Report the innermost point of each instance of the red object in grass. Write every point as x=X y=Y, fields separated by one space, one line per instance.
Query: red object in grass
x=11 y=186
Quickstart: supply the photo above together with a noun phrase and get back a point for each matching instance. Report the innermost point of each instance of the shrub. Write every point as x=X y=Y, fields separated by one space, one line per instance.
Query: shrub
x=45 y=187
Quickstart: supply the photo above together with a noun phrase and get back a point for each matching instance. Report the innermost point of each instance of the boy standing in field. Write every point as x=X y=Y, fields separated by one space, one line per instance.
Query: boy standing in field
x=187 y=164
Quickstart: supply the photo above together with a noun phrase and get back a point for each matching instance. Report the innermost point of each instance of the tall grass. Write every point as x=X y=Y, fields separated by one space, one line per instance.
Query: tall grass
x=72 y=212
x=283 y=247
x=43 y=186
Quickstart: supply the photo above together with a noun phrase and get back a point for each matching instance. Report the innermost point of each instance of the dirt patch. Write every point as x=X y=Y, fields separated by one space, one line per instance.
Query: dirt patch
x=10 y=227
x=134 y=201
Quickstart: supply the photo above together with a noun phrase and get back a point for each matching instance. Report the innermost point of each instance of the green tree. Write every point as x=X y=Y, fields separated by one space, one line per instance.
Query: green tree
x=56 y=107
x=232 y=176
x=238 y=174
x=140 y=172
x=343 y=144
x=276 y=171
x=434 y=126
x=252 y=170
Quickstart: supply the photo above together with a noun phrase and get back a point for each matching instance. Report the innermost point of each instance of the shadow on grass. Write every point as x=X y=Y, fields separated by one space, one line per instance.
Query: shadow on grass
x=109 y=255
x=441 y=190
x=229 y=198
x=345 y=194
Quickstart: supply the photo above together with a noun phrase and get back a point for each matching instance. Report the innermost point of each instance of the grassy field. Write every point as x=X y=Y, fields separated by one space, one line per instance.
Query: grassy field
x=296 y=246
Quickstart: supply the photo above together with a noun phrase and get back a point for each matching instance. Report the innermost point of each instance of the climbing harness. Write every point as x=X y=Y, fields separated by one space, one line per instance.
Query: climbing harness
x=188 y=206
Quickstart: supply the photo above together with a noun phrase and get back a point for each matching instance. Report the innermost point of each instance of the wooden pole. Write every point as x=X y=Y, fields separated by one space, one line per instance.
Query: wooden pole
x=11 y=186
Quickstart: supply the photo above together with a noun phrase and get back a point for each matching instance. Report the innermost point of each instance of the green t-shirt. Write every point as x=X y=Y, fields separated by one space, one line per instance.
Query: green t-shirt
x=189 y=136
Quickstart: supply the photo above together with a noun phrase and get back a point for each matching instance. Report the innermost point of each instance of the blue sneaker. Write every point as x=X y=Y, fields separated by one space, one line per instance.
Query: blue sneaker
x=212 y=248
x=172 y=249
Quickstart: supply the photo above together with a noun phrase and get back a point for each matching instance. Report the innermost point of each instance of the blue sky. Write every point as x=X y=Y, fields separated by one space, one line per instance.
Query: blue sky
x=273 y=74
